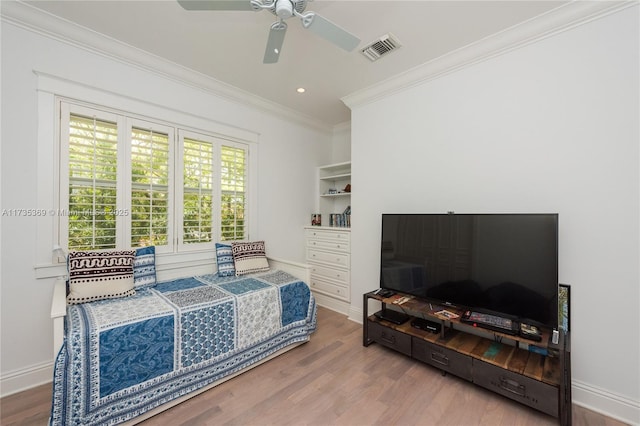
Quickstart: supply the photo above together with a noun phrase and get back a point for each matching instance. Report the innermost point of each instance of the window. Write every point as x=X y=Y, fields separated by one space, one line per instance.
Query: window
x=197 y=203
x=233 y=186
x=150 y=167
x=92 y=159
x=129 y=182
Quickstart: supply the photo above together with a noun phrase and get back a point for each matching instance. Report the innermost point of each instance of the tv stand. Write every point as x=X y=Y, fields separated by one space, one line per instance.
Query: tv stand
x=538 y=376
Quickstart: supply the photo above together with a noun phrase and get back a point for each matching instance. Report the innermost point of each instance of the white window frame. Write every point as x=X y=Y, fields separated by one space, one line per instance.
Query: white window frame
x=215 y=193
x=127 y=185
x=126 y=122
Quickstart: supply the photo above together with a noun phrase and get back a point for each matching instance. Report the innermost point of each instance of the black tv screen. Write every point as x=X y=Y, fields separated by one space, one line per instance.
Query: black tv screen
x=500 y=263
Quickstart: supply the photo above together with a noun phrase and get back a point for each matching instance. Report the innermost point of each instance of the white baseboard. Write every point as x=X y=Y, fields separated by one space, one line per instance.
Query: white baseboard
x=25 y=378
x=355 y=314
x=331 y=303
x=605 y=402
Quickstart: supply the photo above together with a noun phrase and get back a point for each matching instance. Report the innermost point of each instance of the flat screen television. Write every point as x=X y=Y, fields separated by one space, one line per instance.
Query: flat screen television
x=505 y=264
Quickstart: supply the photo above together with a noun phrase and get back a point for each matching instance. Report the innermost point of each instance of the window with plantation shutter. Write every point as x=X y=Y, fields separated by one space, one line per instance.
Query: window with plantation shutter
x=128 y=181
x=233 y=188
x=92 y=159
x=198 y=172
x=149 y=187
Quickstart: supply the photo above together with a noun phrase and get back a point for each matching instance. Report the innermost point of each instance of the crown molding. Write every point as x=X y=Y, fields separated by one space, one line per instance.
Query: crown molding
x=38 y=21
x=342 y=127
x=558 y=20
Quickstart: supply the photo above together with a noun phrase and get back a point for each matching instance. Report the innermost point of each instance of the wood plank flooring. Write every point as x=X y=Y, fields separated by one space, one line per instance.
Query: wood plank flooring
x=332 y=380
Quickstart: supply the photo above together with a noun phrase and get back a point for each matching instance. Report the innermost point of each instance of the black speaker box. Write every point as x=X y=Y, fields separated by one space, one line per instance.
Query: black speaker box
x=426 y=325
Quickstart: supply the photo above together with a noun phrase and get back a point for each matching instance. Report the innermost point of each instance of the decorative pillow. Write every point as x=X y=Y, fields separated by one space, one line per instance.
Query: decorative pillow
x=224 y=259
x=249 y=257
x=96 y=275
x=144 y=267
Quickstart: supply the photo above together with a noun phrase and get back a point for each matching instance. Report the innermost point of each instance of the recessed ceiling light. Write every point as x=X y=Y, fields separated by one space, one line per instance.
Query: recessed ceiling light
x=300 y=90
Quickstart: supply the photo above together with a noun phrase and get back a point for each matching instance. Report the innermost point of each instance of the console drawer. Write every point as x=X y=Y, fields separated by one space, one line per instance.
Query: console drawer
x=538 y=395
x=337 y=259
x=339 y=275
x=442 y=358
x=390 y=338
x=330 y=245
x=328 y=234
x=329 y=288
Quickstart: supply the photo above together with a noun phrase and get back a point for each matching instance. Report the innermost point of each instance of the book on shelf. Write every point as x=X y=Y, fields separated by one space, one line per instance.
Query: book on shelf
x=340 y=220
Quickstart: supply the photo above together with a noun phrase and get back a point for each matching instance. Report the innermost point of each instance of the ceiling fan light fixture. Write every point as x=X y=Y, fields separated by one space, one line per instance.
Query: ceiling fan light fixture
x=284 y=9
x=301 y=90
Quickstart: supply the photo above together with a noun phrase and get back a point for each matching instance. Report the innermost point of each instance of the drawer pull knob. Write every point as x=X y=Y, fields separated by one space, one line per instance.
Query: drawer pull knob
x=512 y=386
x=439 y=358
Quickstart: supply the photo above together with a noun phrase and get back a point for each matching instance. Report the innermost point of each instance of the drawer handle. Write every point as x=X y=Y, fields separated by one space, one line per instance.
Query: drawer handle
x=512 y=386
x=390 y=339
x=439 y=358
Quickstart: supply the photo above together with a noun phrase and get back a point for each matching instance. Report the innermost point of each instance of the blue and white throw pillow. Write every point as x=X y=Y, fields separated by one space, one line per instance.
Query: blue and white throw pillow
x=224 y=259
x=144 y=267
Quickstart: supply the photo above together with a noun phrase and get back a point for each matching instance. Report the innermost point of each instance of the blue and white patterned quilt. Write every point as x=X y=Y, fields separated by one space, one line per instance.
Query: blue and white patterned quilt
x=123 y=357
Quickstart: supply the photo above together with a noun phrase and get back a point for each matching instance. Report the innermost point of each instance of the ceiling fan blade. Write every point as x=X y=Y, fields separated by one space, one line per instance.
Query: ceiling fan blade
x=216 y=4
x=330 y=31
x=274 y=43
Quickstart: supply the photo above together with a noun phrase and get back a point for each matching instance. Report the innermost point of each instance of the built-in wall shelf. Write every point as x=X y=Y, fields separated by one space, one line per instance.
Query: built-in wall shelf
x=334 y=189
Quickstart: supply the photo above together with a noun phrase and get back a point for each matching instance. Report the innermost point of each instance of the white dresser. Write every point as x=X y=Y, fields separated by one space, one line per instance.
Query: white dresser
x=329 y=257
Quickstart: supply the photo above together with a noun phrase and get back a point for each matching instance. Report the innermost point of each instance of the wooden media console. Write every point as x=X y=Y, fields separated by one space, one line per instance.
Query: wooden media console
x=537 y=374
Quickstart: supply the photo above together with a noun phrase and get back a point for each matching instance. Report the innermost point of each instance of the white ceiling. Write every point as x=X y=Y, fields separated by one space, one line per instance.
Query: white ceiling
x=229 y=45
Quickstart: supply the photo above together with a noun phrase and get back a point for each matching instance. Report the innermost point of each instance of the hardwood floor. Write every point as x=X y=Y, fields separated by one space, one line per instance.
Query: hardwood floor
x=332 y=380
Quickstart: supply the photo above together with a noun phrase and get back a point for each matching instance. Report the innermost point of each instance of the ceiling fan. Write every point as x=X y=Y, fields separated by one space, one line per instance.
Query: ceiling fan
x=283 y=9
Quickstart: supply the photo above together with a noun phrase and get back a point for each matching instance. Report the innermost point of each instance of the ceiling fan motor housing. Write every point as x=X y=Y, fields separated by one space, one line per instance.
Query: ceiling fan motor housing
x=283 y=9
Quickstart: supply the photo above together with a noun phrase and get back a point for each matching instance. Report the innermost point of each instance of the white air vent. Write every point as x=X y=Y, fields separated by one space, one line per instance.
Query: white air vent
x=383 y=46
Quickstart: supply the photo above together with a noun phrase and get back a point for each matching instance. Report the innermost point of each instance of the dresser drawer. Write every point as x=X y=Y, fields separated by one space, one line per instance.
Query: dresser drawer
x=329 y=288
x=533 y=393
x=339 y=275
x=442 y=358
x=337 y=259
x=330 y=245
x=328 y=234
x=389 y=337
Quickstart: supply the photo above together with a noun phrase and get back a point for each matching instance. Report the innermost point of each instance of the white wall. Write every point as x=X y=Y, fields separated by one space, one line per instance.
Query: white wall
x=287 y=156
x=549 y=127
x=341 y=144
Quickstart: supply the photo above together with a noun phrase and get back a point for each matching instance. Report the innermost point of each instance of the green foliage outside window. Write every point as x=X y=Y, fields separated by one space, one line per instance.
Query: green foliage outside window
x=93 y=185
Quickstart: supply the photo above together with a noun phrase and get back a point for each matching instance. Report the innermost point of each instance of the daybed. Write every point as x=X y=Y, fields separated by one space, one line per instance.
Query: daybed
x=126 y=359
